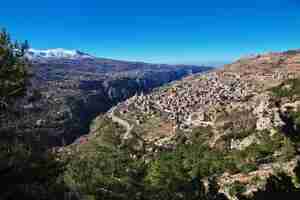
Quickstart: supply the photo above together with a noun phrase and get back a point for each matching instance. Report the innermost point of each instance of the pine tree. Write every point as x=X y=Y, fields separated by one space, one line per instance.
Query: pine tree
x=13 y=69
x=25 y=46
x=26 y=170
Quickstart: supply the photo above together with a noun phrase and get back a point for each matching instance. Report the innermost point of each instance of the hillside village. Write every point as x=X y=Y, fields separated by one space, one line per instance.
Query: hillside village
x=238 y=97
x=189 y=102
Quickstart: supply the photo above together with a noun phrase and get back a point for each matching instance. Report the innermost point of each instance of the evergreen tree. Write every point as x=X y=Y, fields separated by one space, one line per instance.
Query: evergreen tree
x=13 y=70
x=24 y=173
x=25 y=45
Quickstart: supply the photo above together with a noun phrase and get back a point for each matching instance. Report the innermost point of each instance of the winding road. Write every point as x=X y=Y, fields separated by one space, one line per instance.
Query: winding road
x=123 y=123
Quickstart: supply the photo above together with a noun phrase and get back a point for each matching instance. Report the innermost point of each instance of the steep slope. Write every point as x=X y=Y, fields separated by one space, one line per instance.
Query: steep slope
x=69 y=88
x=239 y=124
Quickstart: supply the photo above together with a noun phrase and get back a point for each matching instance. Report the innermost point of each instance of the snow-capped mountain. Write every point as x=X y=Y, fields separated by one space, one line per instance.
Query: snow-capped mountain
x=57 y=53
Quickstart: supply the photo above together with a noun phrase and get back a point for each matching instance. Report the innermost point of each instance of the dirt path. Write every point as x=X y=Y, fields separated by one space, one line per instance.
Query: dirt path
x=215 y=138
x=123 y=123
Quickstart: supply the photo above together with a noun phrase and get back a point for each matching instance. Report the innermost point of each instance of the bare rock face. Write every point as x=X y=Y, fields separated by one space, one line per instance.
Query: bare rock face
x=290 y=106
x=244 y=143
x=267 y=117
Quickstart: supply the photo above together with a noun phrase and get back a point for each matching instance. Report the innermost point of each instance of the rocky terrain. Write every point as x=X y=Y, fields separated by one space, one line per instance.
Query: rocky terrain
x=70 y=88
x=248 y=112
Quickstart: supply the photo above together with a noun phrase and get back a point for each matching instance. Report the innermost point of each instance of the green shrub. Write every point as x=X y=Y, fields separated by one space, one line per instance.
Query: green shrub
x=288 y=89
x=248 y=167
x=201 y=134
x=179 y=172
x=106 y=171
x=237 y=188
x=201 y=161
x=167 y=172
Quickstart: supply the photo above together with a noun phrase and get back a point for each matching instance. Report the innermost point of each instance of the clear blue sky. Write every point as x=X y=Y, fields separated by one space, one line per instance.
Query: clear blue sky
x=161 y=31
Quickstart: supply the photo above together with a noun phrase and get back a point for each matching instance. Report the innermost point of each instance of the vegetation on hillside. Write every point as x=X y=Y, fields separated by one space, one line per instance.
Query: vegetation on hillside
x=113 y=174
x=101 y=169
x=173 y=174
x=288 y=89
x=13 y=69
x=27 y=170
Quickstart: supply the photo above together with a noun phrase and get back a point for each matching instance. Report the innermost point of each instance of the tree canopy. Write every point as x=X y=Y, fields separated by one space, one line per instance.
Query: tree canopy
x=13 y=69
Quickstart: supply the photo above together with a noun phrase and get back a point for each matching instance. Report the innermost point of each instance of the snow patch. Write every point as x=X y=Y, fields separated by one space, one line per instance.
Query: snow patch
x=57 y=53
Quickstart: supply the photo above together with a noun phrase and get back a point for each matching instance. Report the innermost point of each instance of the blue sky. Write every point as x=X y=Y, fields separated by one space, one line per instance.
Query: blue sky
x=159 y=31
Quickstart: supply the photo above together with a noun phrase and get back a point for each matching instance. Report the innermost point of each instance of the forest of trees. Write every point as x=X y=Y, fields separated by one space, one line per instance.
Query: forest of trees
x=27 y=171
